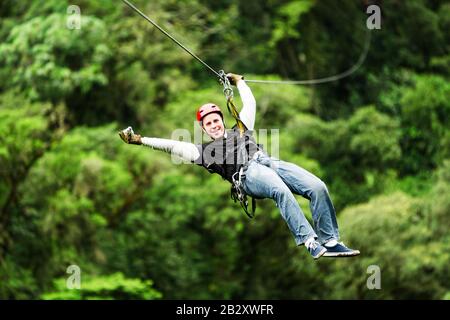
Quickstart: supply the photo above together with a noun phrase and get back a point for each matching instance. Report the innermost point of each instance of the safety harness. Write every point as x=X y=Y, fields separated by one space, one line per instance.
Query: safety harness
x=237 y=191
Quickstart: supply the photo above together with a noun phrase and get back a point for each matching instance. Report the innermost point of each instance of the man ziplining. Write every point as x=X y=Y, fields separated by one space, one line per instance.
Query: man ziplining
x=236 y=157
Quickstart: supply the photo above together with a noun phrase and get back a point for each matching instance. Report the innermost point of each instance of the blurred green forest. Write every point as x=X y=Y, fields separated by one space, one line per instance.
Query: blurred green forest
x=141 y=227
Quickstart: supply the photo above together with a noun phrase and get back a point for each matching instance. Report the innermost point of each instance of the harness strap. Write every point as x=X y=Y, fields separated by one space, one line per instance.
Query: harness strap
x=238 y=193
x=232 y=109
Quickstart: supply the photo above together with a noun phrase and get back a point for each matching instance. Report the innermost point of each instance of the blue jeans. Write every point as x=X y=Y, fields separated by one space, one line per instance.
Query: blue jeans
x=272 y=178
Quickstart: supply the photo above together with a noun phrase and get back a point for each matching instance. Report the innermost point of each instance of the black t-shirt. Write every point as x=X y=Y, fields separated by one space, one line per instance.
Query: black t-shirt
x=225 y=156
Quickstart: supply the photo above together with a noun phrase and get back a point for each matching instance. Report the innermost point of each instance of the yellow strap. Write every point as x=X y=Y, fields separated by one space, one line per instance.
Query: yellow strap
x=232 y=109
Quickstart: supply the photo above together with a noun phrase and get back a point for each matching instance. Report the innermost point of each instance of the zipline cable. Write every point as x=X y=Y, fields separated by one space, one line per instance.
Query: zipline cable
x=221 y=75
x=327 y=79
x=228 y=91
x=170 y=37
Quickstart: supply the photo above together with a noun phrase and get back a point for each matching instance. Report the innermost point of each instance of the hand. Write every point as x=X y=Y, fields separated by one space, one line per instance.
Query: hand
x=128 y=136
x=234 y=78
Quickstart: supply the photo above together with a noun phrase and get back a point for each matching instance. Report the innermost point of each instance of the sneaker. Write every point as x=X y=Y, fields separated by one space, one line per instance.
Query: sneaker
x=316 y=249
x=129 y=136
x=340 y=250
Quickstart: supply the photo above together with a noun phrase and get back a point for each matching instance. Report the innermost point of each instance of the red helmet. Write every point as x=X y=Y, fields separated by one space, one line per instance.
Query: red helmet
x=207 y=109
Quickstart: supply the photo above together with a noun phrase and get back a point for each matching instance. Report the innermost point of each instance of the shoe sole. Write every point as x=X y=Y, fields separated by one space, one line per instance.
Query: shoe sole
x=341 y=254
x=321 y=253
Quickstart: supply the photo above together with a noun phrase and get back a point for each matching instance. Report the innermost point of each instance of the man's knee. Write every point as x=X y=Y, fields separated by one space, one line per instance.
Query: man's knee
x=281 y=192
x=318 y=187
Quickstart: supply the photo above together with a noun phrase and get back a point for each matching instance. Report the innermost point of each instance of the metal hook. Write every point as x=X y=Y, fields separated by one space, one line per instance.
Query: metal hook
x=227 y=89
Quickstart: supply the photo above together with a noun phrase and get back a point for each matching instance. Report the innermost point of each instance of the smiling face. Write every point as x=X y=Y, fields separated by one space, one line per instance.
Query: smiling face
x=213 y=125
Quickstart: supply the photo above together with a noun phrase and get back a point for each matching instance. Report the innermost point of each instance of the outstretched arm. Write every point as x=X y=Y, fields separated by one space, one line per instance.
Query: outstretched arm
x=185 y=150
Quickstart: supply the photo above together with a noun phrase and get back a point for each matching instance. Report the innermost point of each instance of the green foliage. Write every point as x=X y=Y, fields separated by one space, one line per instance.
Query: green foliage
x=289 y=16
x=30 y=126
x=16 y=282
x=49 y=61
x=358 y=152
x=114 y=286
x=71 y=192
x=406 y=238
x=425 y=117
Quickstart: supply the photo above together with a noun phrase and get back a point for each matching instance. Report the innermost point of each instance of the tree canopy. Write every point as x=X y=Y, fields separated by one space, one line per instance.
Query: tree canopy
x=141 y=227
